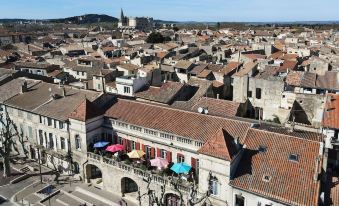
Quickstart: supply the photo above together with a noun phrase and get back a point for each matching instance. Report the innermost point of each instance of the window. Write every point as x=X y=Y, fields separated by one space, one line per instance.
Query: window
x=99 y=86
x=135 y=128
x=293 y=157
x=51 y=142
x=266 y=178
x=77 y=142
x=29 y=116
x=180 y=158
x=151 y=132
x=148 y=151
x=166 y=136
x=163 y=154
x=258 y=93
x=61 y=125
x=133 y=145
x=62 y=143
x=119 y=140
x=214 y=186
x=127 y=90
x=239 y=200
x=49 y=121
x=55 y=123
x=30 y=132
x=249 y=93
x=40 y=117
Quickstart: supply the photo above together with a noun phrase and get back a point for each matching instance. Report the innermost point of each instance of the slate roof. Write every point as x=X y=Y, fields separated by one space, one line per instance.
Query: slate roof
x=269 y=173
x=221 y=146
x=182 y=123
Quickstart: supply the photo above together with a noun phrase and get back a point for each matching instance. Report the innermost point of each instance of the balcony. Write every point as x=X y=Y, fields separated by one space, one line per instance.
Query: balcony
x=183 y=185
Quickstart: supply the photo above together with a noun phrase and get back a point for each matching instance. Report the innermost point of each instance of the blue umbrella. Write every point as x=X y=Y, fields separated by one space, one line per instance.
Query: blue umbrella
x=100 y=144
x=180 y=168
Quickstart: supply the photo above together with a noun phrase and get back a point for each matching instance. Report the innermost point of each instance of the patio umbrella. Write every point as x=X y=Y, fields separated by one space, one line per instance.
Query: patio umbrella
x=100 y=144
x=136 y=154
x=159 y=162
x=180 y=168
x=115 y=148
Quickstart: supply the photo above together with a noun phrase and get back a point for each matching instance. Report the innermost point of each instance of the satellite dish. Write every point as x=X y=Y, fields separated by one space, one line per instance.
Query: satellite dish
x=206 y=111
x=200 y=110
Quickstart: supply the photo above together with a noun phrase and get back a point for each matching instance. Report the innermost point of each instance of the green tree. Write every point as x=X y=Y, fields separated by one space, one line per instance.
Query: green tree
x=155 y=37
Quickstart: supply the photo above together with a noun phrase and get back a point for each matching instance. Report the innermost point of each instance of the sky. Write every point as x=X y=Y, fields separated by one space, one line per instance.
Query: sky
x=178 y=10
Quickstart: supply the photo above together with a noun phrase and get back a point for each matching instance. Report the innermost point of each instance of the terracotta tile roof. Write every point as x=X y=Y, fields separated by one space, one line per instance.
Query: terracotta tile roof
x=328 y=81
x=230 y=68
x=276 y=55
x=129 y=67
x=218 y=107
x=294 y=78
x=255 y=56
x=308 y=80
x=204 y=73
x=331 y=113
x=85 y=111
x=266 y=170
x=221 y=145
x=246 y=69
x=288 y=65
x=164 y=94
x=183 y=64
x=182 y=123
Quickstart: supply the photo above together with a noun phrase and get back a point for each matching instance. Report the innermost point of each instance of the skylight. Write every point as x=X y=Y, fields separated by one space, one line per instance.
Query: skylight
x=293 y=157
x=262 y=148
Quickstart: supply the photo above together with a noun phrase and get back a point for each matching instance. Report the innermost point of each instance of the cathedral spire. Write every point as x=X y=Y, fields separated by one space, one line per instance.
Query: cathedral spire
x=122 y=17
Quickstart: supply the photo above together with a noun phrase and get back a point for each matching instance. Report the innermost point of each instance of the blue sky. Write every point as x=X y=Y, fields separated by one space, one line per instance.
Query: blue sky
x=184 y=10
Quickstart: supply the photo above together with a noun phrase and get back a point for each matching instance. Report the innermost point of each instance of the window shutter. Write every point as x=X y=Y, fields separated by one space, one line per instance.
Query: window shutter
x=137 y=146
x=115 y=139
x=128 y=145
x=143 y=147
x=124 y=143
x=169 y=156
x=193 y=163
x=158 y=152
x=152 y=152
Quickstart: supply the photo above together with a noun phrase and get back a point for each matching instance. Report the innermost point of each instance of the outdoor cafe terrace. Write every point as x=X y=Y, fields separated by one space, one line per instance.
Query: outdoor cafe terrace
x=161 y=177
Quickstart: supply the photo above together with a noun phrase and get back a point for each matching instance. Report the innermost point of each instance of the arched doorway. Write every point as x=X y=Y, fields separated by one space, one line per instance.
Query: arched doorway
x=128 y=185
x=93 y=174
x=172 y=200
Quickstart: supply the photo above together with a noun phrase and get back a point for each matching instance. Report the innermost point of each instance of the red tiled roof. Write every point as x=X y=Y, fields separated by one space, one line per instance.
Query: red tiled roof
x=217 y=107
x=182 y=123
x=221 y=145
x=270 y=173
x=331 y=114
x=294 y=78
x=85 y=111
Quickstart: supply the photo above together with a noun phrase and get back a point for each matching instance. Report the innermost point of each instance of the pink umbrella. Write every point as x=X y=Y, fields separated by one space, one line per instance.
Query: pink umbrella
x=115 y=148
x=159 y=162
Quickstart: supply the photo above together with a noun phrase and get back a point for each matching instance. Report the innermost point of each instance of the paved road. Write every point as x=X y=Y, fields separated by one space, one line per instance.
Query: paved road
x=10 y=190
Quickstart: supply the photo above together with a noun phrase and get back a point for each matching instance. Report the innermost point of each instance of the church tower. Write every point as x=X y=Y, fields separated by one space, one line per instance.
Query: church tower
x=122 y=20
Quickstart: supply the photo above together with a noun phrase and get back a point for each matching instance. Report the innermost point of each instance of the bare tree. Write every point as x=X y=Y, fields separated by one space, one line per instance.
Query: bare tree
x=7 y=136
x=194 y=198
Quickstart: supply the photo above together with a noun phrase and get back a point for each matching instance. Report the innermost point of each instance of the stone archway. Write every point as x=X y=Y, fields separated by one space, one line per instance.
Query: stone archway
x=128 y=185
x=93 y=174
x=172 y=200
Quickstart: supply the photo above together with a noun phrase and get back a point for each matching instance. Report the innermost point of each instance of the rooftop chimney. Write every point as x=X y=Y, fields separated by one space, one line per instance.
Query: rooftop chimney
x=63 y=92
x=24 y=87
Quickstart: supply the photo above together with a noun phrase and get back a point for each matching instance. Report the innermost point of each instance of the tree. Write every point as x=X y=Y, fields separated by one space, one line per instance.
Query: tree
x=7 y=136
x=155 y=37
x=193 y=196
x=218 y=26
x=175 y=29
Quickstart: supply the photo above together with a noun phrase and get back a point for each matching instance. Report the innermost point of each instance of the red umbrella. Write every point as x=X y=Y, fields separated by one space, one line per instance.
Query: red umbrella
x=115 y=148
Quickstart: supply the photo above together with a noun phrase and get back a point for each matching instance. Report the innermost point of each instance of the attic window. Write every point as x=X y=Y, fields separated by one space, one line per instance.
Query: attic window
x=293 y=157
x=262 y=149
x=266 y=178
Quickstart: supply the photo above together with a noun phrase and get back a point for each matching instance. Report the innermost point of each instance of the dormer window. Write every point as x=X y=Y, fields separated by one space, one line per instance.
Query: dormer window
x=293 y=157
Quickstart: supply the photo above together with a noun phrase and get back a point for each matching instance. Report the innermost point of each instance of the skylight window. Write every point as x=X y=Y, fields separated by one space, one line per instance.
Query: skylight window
x=293 y=157
x=266 y=178
x=262 y=148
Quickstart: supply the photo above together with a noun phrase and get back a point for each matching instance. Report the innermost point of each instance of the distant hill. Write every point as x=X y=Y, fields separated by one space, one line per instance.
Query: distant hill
x=84 y=19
